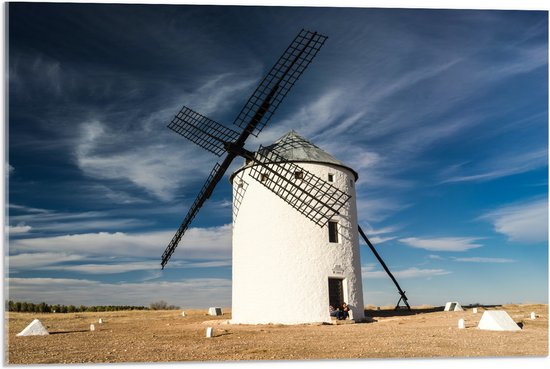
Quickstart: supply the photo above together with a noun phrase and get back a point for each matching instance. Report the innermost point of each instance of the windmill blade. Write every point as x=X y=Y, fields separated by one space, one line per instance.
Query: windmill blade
x=205 y=132
x=312 y=196
x=215 y=175
x=278 y=82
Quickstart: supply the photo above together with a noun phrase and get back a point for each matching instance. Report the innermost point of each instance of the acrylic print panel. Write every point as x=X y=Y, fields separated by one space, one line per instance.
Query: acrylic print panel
x=443 y=114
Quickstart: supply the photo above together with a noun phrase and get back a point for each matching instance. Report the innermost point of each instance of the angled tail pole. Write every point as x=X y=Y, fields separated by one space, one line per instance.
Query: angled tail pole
x=401 y=292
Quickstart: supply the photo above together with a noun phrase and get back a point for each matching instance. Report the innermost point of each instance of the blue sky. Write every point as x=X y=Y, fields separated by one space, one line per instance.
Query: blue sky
x=443 y=113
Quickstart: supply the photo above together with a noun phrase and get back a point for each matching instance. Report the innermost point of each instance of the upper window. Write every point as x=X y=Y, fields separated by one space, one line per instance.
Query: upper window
x=333 y=232
x=331 y=177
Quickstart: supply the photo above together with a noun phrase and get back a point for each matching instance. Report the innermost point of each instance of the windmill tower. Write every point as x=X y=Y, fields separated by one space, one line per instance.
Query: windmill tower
x=319 y=188
x=287 y=269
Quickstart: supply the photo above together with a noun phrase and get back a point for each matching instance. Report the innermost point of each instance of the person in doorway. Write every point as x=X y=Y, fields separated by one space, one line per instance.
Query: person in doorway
x=343 y=312
x=332 y=311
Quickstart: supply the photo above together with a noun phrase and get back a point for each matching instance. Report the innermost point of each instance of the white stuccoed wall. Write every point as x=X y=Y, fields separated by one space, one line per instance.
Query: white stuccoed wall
x=282 y=260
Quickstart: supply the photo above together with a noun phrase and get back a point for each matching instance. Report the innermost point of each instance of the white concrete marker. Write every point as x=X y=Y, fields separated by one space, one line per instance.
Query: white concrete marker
x=453 y=306
x=100 y=321
x=183 y=313
x=475 y=310
x=92 y=327
x=215 y=311
x=209 y=332
x=461 y=324
x=533 y=315
x=34 y=329
x=497 y=320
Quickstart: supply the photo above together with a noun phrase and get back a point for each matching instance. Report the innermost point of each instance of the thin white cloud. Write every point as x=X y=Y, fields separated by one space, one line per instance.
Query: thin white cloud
x=222 y=91
x=379 y=231
x=378 y=240
x=503 y=166
x=9 y=169
x=38 y=260
x=191 y=293
x=442 y=243
x=405 y=273
x=18 y=229
x=27 y=209
x=147 y=154
x=484 y=260
x=54 y=221
x=114 y=196
x=197 y=243
x=104 y=268
x=379 y=235
x=378 y=208
x=155 y=167
x=524 y=222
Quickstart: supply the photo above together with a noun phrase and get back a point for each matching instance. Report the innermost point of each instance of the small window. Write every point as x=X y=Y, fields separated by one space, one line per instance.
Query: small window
x=333 y=232
x=351 y=182
x=263 y=177
x=331 y=177
x=298 y=174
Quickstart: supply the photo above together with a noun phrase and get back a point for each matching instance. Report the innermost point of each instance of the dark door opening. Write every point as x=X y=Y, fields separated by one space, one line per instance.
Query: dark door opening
x=335 y=292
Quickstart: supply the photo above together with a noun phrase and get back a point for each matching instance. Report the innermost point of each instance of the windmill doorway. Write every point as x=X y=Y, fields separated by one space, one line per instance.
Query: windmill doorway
x=335 y=292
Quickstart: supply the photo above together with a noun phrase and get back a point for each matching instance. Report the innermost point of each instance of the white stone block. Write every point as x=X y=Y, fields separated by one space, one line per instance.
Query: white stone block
x=92 y=327
x=474 y=310
x=35 y=328
x=461 y=324
x=497 y=320
x=183 y=313
x=209 y=332
x=215 y=311
x=453 y=306
x=533 y=316
x=100 y=321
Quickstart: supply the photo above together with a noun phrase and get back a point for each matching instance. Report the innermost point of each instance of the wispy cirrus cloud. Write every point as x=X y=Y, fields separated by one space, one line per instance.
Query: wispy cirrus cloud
x=413 y=272
x=199 y=243
x=9 y=169
x=38 y=220
x=379 y=208
x=38 y=260
x=18 y=229
x=484 y=260
x=153 y=167
x=498 y=167
x=521 y=222
x=158 y=160
x=451 y=244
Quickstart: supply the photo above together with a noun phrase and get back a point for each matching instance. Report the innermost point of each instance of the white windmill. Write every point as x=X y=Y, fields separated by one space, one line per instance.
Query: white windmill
x=287 y=269
x=291 y=258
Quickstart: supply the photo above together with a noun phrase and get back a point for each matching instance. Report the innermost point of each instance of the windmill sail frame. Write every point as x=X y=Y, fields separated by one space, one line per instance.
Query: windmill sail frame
x=255 y=114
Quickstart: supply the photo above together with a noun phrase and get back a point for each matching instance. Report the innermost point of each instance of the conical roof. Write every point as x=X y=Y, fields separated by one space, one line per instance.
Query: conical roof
x=295 y=148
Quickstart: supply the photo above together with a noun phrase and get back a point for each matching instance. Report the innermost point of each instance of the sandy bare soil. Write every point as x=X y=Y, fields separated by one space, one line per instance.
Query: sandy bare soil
x=155 y=336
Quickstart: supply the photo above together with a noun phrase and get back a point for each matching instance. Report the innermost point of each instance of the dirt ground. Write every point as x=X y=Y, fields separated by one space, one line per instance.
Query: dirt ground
x=166 y=336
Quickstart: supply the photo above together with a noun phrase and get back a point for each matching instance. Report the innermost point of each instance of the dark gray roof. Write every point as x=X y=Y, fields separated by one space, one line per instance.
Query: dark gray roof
x=295 y=148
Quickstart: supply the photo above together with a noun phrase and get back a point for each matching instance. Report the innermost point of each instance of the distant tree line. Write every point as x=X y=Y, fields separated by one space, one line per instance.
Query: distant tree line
x=42 y=307
x=162 y=305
